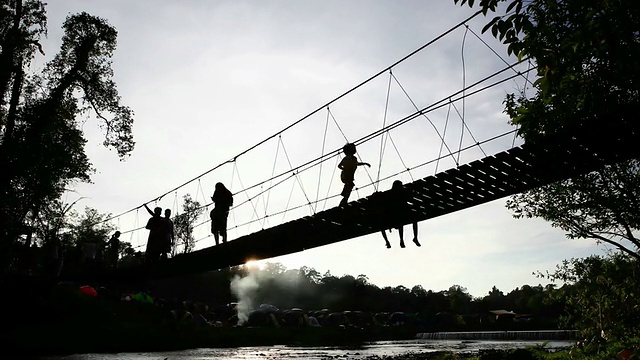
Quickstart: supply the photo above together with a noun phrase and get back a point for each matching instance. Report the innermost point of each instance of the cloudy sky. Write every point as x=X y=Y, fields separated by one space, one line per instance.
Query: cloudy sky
x=208 y=80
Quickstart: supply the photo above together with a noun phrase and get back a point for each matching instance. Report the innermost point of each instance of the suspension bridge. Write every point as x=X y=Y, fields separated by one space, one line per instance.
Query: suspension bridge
x=600 y=139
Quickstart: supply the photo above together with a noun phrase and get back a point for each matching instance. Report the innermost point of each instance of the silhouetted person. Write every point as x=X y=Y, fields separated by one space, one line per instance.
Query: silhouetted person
x=113 y=250
x=348 y=165
x=223 y=200
x=169 y=236
x=156 y=227
x=396 y=210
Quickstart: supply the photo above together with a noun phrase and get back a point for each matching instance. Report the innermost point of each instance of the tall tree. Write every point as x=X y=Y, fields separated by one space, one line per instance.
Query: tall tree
x=42 y=144
x=602 y=300
x=585 y=53
x=184 y=223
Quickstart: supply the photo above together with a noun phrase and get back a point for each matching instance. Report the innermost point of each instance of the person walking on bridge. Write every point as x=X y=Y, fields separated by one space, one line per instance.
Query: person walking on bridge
x=397 y=211
x=223 y=200
x=348 y=165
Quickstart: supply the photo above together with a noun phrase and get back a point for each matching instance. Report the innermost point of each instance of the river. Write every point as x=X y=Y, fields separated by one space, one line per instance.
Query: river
x=379 y=348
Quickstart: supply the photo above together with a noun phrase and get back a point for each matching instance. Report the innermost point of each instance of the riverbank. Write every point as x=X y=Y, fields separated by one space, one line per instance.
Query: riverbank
x=392 y=350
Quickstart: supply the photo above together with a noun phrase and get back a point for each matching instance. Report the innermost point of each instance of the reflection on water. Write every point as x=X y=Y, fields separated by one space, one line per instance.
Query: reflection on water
x=379 y=348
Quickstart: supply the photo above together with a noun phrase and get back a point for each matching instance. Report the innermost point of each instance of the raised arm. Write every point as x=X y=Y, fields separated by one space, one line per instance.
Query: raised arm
x=148 y=210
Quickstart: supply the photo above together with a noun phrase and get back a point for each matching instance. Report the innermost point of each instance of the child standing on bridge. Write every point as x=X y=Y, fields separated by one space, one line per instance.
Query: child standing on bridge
x=348 y=165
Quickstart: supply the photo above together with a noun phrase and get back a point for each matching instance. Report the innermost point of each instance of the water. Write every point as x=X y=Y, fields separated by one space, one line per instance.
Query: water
x=379 y=348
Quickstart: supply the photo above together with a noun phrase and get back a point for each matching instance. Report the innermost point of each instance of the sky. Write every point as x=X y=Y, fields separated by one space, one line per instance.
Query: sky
x=208 y=80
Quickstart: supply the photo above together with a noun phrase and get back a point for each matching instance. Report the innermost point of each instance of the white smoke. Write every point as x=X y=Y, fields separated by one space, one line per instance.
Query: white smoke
x=244 y=288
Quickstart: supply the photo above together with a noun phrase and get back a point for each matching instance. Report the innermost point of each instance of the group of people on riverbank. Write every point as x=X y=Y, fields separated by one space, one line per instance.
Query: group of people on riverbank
x=161 y=230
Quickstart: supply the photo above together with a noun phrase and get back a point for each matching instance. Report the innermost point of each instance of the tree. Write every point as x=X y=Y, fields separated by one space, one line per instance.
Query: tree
x=41 y=143
x=602 y=205
x=183 y=224
x=602 y=300
x=585 y=53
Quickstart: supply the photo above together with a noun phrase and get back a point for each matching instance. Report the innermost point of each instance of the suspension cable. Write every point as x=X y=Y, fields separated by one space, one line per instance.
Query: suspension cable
x=429 y=43
x=384 y=123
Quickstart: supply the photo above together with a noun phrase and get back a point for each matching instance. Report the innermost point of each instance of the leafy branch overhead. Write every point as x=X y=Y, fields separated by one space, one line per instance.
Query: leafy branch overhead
x=41 y=142
x=585 y=52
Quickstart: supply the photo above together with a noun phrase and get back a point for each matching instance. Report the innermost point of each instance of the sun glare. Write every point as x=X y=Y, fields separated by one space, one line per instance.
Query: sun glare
x=254 y=264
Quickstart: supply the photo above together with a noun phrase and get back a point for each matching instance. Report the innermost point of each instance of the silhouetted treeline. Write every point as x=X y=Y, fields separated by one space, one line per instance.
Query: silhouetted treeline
x=306 y=288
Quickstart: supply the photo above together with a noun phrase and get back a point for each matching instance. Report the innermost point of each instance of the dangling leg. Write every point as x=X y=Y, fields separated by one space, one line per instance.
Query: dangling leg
x=401 y=233
x=386 y=240
x=415 y=234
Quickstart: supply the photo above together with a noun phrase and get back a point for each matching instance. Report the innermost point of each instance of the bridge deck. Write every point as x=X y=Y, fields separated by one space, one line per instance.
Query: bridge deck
x=594 y=143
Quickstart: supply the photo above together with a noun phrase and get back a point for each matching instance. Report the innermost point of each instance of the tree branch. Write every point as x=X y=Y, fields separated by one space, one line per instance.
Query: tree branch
x=616 y=244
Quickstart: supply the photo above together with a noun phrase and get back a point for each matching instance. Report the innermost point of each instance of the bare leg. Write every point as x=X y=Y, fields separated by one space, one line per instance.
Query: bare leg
x=401 y=233
x=216 y=237
x=345 y=198
x=386 y=240
x=415 y=234
x=346 y=192
x=224 y=236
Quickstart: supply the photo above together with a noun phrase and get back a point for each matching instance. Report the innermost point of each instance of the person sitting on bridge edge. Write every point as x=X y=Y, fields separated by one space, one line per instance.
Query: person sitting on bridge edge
x=397 y=211
x=348 y=165
x=223 y=200
x=156 y=227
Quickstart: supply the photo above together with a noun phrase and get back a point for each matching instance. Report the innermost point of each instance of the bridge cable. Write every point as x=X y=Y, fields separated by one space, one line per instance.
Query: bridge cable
x=389 y=133
x=286 y=208
x=441 y=103
x=255 y=210
x=415 y=115
x=233 y=174
x=204 y=197
x=333 y=174
x=444 y=133
x=382 y=138
x=468 y=130
x=440 y=36
x=419 y=112
x=524 y=93
x=426 y=117
x=246 y=201
x=526 y=78
x=347 y=140
x=387 y=177
x=273 y=170
x=324 y=140
x=297 y=177
x=464 y=82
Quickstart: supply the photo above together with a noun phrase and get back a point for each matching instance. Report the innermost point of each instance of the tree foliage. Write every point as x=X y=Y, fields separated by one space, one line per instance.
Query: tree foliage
x=602 y=205
x=585 y=53
x=184 y=223
x=602 y=299
x=41 y=141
